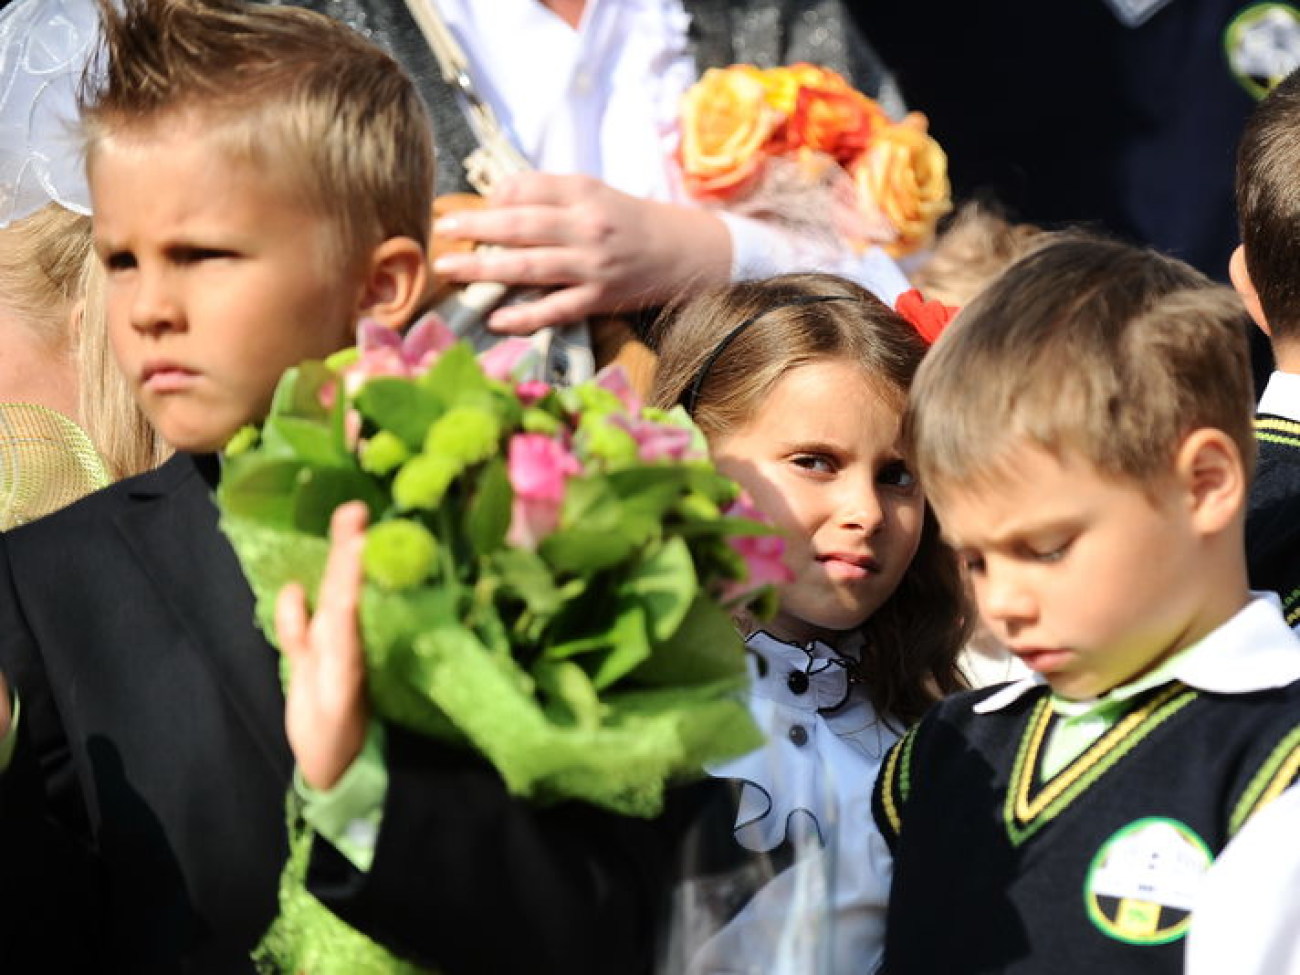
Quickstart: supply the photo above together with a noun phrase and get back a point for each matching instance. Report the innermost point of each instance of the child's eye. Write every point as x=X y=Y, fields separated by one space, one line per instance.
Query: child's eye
x=971 y=562
x=897 y=474
x=119 y=261
x=1048 y=554
x=818 y=463
x=194 y=255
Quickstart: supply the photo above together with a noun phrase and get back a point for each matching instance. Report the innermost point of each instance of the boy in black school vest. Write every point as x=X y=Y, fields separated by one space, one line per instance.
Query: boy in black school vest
x=1084 y=432
x=1263 y=270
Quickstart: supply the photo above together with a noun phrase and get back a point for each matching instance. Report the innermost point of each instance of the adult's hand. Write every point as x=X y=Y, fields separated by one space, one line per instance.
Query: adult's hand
x=599 y=249
x=326 y=709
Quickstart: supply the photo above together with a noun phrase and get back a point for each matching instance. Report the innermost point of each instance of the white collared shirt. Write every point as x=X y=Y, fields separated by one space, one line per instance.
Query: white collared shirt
x=1254 y=650
x=604 y=100
x=1281 y=396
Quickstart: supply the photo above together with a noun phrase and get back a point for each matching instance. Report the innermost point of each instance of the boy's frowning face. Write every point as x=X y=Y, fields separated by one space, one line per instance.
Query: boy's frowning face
x=217 y=282
x=1084 y=578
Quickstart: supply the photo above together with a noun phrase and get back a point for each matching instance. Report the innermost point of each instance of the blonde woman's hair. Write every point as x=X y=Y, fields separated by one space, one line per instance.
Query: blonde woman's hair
x=327 y=114
x=40 y=269
x=913 y=640
x=109 y=413
x=1088 y=345
x=53 y=281
x=975 y=245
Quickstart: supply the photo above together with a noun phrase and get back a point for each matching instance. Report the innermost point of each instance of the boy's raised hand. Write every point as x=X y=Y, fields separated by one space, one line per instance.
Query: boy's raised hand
x=326 y=709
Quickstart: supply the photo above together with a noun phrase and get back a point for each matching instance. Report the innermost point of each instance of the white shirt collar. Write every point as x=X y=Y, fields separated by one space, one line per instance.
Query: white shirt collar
x=1253 y=651
x=1281 y=396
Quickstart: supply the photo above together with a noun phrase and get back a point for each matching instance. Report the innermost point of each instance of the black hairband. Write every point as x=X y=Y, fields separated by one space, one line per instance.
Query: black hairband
x=692 y=392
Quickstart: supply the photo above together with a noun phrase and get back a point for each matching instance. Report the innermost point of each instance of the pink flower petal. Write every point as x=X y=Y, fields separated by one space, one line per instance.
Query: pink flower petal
x=501 y=361
x=614 y=378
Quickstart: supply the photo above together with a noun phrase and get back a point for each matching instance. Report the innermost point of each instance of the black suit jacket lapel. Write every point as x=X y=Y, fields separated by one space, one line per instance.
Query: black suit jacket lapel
x=170 y=523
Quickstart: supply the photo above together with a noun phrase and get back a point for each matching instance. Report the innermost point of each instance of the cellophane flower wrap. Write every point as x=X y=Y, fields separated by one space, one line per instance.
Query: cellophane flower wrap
x=800 y=145
x=550 y=574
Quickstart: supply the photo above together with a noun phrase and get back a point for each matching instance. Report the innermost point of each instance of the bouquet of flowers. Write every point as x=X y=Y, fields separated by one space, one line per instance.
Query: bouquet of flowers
x=550 y=573
x=800 y=144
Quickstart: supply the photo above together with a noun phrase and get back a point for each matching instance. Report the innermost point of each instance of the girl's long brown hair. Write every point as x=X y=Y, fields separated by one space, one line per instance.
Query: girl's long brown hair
x=912 y=641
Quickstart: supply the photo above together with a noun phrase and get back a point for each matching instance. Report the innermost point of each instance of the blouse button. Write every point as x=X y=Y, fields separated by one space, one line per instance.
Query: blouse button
x=799 y=735
x=797 y=682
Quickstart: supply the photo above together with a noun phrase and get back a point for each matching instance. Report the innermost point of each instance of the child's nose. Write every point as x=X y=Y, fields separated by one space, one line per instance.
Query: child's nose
x=861 y=509
x=1003 y=599
x=154 y=307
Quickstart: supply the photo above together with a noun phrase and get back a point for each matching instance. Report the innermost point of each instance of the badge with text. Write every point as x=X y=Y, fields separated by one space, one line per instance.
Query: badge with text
x=1142 y=882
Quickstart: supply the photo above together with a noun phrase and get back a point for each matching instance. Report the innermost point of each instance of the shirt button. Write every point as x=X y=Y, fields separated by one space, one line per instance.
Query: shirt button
x=799 y=735
x=797 y=682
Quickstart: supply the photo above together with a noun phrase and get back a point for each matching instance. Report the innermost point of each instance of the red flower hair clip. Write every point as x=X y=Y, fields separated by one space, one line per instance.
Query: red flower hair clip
x=929 y=318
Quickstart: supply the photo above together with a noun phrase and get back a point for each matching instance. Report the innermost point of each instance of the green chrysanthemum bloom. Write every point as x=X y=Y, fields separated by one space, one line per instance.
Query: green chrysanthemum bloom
x=243 y=439
x=539 y=421
x=596 y=400
x=399 y=554
x=464 y=434
x=699 y=506
x=383 y=453
x=343 y=358
x=423 y=480
x=604 y=441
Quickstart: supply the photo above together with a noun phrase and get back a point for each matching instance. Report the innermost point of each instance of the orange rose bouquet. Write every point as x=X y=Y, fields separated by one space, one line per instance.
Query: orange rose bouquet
x=800 y=144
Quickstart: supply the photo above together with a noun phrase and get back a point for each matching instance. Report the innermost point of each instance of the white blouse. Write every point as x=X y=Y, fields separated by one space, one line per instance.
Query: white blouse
x=810 y=786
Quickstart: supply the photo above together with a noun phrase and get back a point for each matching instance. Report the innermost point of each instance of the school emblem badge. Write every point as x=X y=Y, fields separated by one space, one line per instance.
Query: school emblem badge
x=1141 y=884
x=1263 y=45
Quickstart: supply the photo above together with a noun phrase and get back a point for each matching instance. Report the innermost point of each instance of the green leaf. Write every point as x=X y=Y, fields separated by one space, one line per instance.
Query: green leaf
x=629 y=647
x=322 y=489
x=260 y=488
x=455 y=377
x=665 y=586
x=705 y=648
x=593 y=516
x=488 y=519
x=311 y=441
x=567 y=685
x=299 y=391
x=404 y=407
x=525 y=576
x=585 y=551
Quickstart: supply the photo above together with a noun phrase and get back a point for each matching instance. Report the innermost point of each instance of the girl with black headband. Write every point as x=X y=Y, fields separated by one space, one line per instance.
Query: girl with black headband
x=799 y=382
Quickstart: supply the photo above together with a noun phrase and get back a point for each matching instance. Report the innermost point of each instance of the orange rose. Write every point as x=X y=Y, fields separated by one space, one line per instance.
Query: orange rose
x=903 y=177
x=726 y=122
x=838 y=123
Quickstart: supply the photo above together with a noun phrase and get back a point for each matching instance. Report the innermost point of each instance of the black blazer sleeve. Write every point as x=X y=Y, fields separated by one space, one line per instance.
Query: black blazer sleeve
x=468 y=879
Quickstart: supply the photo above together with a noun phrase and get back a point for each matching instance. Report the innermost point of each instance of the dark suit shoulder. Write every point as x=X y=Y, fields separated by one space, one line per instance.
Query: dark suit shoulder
x=86 y=516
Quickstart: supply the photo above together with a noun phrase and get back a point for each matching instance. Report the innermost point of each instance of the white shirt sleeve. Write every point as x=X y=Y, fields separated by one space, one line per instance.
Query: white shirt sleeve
x=759 y=250
x=1247 y=916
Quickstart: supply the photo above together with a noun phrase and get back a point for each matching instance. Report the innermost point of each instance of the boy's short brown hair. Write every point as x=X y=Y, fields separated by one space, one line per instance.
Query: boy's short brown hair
x=1268 y=205
x=1112 y=351
x=299 y=96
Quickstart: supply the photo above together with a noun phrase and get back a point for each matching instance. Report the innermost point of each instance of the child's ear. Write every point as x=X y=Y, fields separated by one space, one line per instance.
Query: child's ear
x=396 y=282
x=1240 y=278
x=1209 y=466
